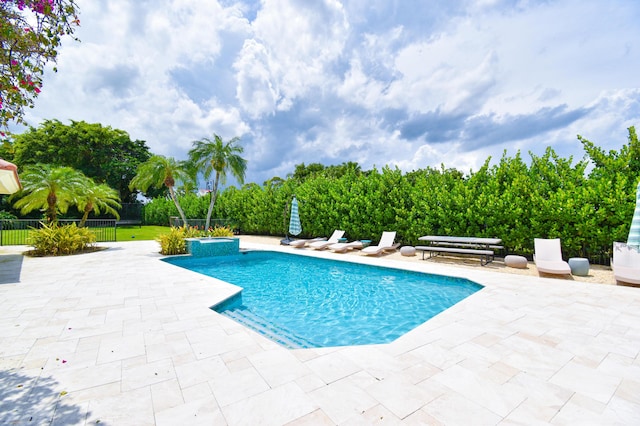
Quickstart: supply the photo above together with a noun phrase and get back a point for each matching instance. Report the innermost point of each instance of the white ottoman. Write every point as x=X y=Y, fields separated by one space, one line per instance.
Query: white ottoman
x=513 y=261
x=408 y=251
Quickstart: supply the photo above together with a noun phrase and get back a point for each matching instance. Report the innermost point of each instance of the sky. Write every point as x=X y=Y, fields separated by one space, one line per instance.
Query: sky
x=399 y=83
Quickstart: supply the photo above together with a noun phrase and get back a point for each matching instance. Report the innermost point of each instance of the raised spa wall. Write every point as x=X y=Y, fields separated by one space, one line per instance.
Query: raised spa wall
x=215 y=246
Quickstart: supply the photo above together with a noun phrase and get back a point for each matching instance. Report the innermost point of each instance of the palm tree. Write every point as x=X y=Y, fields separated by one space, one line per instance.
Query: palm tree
x=98 y=198
x=219 y=157
x=157 y=171
x=49 y=188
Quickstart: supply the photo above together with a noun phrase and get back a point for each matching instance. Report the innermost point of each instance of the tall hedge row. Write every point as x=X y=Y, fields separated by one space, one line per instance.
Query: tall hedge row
x=588 y=204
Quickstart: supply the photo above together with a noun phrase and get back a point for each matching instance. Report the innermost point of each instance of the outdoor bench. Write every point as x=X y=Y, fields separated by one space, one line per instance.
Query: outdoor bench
x=478 y=246
x=486 y=256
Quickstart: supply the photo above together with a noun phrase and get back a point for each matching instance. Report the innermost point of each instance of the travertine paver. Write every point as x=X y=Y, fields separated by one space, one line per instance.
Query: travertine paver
x=118 y=337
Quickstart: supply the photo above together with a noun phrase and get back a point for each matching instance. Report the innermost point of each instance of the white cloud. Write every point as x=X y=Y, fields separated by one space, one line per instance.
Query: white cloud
x=375 y=82
x=293 y=44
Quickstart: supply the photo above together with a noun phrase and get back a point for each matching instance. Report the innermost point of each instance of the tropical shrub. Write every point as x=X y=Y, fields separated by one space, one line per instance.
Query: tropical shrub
x=55 y=240
x=220 y=231
x=173 y=242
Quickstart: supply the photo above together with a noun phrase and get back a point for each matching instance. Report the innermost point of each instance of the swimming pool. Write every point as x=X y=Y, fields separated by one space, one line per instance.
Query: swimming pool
x=303 y=301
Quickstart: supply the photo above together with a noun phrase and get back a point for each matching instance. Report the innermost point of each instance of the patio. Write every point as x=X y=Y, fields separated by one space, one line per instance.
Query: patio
x=120 y=338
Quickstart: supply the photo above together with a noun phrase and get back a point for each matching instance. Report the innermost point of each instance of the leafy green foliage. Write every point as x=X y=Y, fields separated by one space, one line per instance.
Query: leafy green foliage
x=220 y=231
x=218 y=158
x=54 y=240
x=50 y=189
x=551 y=197
x=106 y=155
x=31 y=32
x=6 y=215
x=97 y=199
x=173 y=243
x=54 y=189
x=158 y=171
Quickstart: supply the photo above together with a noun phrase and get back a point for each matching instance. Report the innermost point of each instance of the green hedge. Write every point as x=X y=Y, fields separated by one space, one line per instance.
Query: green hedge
x=588 y=204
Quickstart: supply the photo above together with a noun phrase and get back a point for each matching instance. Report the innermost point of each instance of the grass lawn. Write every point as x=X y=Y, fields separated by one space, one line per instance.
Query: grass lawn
x=132 y=233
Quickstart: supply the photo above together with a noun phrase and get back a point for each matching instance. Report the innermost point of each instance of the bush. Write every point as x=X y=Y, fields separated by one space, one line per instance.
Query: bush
x=173 y=242
x=55 y=240
x=220 y=231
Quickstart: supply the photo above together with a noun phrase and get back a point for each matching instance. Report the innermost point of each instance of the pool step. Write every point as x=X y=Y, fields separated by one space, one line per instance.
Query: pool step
x=268 y=329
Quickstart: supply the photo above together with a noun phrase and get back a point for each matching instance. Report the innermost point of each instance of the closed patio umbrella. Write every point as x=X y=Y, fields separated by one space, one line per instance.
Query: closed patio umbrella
x=294 y=222
x=634 y=232
x=9 y=181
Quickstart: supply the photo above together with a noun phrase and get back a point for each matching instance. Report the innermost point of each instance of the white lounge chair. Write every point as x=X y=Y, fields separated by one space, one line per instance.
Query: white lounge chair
x=345 y=247
x=626 y=264
x=548 y=257
x=333 y=239
x=386 y=244
x=303 y=242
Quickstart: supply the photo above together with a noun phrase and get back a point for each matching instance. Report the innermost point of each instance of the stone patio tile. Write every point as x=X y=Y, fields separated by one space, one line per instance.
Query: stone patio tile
x=315 y=418
x=621 y=411
x=73 y=379
x=276 y=406
x=586 y=381
x=499 y=399
x=333 y=366
x=166 y=394
x=342 y=400
x=201 y=371
x=197 y=392
x=375 y=361
x=145 y=374
x=399 y=395
x=278 y=366
x=119 y=348
x=201 y=412
x=168 y=350
x=237 y=386
x=377 y=415
x=629 y=389
x=421 y=418
x=132 y=408
x=452 y=408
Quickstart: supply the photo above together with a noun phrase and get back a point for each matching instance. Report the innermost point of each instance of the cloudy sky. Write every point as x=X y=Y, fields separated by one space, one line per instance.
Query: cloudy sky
x=407 y=83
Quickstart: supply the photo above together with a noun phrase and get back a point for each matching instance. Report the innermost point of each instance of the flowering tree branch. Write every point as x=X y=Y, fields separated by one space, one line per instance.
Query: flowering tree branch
x=30 y=33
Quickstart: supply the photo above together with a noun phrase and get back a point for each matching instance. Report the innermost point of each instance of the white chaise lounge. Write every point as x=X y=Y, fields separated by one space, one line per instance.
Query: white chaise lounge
x=386 y=244
x=333 y=239
x=626 y=264
x=548 y=257
x=303 y=242
x=345 y=247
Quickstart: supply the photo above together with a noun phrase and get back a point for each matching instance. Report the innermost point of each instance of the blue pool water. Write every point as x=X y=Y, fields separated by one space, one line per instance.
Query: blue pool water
x=303 y=301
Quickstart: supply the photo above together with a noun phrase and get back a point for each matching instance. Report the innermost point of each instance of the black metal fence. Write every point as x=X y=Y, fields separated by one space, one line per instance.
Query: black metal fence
x=16 y=231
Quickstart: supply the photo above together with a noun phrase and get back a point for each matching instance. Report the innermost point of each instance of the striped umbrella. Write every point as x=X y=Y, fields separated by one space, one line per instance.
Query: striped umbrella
x=294 y=223
x=634 y=232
